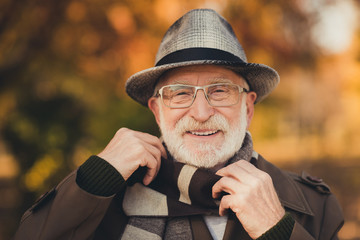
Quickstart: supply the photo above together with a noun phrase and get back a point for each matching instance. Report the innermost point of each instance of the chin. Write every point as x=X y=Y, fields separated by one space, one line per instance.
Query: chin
x=201 y=155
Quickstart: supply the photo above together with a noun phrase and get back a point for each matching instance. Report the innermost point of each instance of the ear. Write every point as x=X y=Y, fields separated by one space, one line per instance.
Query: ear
x=153 y=104
x=250 y=102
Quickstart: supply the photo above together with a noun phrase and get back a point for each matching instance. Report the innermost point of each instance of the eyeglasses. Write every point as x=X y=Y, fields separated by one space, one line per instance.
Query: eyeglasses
x=217 y=95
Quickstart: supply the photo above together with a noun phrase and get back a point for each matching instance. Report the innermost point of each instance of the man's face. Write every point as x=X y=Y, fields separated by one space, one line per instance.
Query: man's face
x=203 y=135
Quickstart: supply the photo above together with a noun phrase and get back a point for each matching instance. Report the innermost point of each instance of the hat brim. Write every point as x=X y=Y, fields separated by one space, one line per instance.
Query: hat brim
x=261 y=78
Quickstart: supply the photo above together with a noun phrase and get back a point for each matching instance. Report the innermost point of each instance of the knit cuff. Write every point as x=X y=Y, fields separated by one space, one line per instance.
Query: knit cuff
x=98 y=177
x=281 y=231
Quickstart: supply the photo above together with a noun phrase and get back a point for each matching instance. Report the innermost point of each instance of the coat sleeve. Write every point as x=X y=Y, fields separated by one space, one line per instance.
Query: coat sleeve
x=66 y=212
x=333 y=219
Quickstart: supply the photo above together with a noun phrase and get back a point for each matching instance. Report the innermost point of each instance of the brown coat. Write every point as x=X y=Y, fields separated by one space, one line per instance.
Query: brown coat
x=68 y=212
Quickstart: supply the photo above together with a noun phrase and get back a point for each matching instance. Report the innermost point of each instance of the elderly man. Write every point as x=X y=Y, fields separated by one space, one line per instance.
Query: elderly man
x=202 y=179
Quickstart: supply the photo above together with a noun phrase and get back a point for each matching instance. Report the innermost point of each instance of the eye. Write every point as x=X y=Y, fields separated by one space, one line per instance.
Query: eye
x=181 y=92
x=181 y=96
x=218 y=89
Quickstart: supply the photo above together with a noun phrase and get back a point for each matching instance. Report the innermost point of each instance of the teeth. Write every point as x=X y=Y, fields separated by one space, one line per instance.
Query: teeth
x=204 y=133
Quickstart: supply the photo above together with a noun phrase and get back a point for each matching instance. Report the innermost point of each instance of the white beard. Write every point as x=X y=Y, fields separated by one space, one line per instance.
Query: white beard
x=206 y=155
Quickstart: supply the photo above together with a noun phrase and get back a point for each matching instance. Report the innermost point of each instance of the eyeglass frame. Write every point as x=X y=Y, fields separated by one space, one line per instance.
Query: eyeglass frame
x=241 y=90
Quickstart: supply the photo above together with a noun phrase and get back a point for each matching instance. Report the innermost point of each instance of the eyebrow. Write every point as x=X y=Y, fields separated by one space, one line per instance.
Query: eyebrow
x=220 y=80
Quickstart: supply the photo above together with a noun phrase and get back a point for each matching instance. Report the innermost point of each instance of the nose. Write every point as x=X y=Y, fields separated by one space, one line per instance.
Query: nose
x=201 y=110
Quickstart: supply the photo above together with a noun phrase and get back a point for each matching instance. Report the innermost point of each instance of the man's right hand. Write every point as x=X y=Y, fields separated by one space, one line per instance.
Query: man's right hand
x=129 y=150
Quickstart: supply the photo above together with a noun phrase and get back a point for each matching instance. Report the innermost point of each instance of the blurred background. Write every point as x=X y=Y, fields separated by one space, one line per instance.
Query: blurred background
x=63 y=65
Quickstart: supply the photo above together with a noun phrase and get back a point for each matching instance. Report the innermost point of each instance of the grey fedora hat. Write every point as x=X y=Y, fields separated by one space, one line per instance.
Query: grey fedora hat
x=201 y=36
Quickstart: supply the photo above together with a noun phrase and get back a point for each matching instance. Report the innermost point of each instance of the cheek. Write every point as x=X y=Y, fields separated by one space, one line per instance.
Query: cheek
x=231 y=115
x=172 y=116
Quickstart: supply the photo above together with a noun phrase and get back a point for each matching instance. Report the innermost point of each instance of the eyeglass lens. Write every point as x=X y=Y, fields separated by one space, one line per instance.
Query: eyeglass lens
x=218 y=95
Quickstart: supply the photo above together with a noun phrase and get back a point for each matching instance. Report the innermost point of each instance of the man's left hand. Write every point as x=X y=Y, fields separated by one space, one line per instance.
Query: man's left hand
x=251 y=196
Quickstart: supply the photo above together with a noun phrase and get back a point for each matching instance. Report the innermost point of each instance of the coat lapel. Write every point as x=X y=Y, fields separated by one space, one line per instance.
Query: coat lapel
x=234 y=229
x=199 y=228
x=289 y=193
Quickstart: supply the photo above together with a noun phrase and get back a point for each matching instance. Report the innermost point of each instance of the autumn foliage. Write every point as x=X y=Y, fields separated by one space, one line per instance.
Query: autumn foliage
x=63 y=65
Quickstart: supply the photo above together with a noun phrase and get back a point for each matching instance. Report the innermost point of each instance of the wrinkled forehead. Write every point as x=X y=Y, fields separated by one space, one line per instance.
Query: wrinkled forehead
x=200 y=75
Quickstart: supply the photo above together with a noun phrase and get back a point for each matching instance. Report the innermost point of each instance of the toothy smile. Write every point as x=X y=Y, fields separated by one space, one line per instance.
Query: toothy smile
x=203 y=133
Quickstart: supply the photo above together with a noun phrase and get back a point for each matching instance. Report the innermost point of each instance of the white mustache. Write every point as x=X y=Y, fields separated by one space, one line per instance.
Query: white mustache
x=215 y=122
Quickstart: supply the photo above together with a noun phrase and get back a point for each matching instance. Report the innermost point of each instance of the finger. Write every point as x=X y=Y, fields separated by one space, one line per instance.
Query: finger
x=151 y=163
x=236 y=203
x=155 y=152
x=153 y=141
x=238 y=172
x=250 y=174
x=225 y=205
x=247 y=166
x=228 y=170
x=225 y=184
x=233 y=171
x=131 y=134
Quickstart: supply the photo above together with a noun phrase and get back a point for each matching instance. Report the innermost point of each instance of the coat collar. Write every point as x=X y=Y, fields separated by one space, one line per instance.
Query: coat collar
x=290 y=194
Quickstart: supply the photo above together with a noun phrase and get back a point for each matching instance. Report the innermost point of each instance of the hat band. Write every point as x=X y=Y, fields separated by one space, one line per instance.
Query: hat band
x=193 y=54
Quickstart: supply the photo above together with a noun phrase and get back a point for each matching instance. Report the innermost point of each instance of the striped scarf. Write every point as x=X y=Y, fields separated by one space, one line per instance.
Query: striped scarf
x=162 y=209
